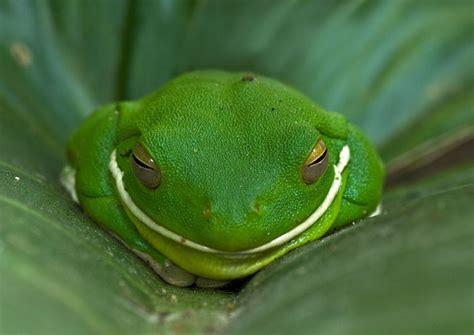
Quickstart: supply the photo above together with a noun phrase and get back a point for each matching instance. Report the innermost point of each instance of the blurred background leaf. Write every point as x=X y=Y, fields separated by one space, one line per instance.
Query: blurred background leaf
x=401 y=70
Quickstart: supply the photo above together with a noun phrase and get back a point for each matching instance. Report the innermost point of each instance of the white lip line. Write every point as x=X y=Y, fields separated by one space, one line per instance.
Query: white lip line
x=344 y=157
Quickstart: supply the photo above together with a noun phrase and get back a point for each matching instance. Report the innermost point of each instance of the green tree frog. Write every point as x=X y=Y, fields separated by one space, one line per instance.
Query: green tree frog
x=216 y=174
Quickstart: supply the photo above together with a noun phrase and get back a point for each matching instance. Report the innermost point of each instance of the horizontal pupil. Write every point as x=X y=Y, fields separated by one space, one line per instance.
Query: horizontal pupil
x=319 y=159
x=140 y=163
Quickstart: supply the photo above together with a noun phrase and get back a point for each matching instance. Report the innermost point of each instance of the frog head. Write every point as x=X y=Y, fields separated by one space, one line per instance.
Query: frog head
x=238 y=164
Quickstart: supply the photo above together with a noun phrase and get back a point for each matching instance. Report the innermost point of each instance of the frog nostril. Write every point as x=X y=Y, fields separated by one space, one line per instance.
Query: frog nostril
x=206 y=212
x=257 y=208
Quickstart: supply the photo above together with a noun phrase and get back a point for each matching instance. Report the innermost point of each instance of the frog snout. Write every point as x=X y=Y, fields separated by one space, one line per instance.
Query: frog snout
x=253 y=210
x=233 y=227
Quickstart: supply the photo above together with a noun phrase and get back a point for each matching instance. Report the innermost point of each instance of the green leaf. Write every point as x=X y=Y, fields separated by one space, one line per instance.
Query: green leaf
x=401 y=70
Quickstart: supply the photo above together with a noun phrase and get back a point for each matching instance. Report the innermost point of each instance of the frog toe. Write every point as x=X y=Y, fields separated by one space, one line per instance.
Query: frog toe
x=169 y=272
x=174 y=275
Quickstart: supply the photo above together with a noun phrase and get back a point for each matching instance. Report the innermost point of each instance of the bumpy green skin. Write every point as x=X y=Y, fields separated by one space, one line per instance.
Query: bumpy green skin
x=231 y=151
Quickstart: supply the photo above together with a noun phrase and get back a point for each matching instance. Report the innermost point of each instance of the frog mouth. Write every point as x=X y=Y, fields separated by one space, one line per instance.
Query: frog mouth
x=117 y=174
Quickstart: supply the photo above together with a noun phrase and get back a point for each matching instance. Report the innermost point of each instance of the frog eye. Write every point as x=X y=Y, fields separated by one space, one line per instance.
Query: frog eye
x=145 y=167
x=316 y=163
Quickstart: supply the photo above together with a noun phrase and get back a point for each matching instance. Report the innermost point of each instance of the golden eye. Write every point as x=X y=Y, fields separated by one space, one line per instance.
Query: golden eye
x=316 y=163
x=145 y=168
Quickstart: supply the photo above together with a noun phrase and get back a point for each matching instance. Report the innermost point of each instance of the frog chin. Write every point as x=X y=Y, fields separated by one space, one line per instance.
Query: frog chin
x=132 y=208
